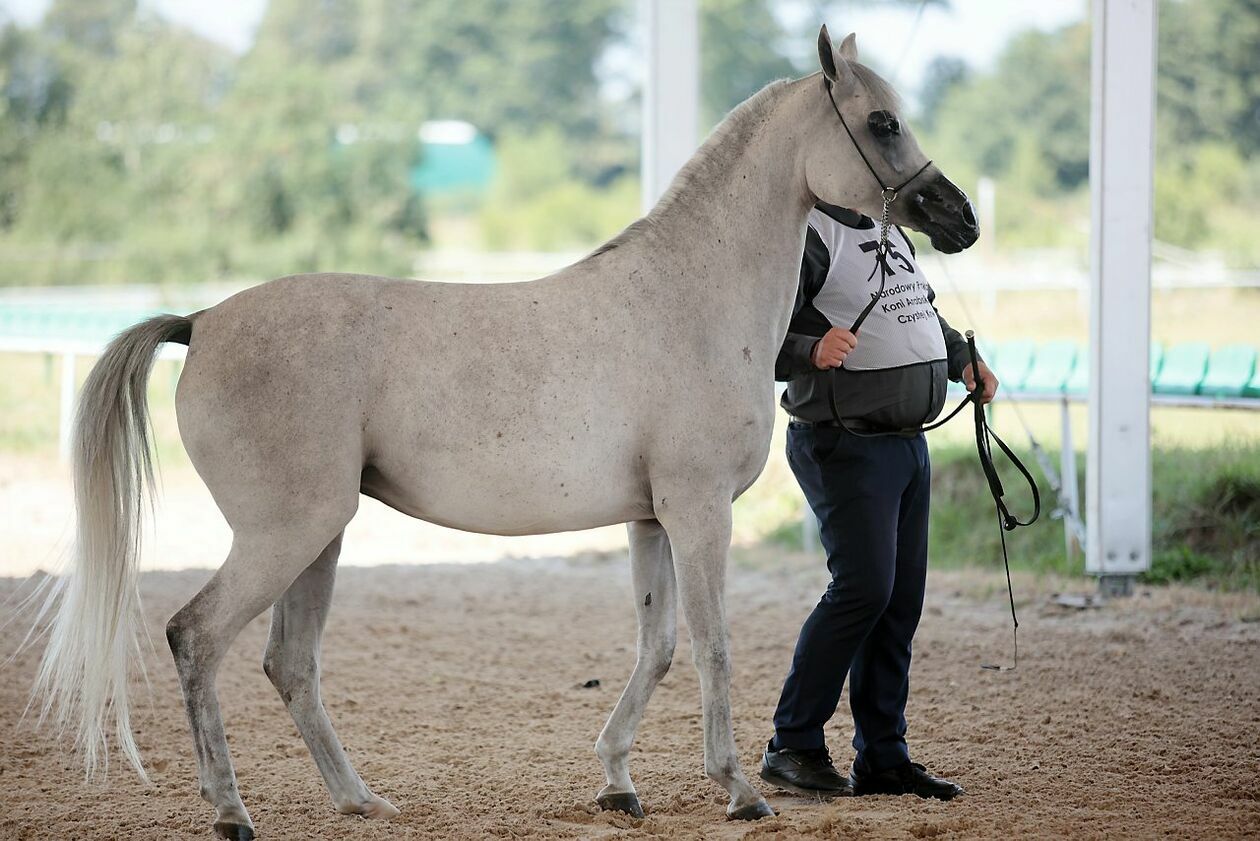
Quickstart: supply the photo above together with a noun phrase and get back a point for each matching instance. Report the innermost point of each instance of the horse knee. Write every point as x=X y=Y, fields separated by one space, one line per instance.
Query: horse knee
x=272 y=667
x=196 y=656
x=278 y=673
x=712 y=657
x=292 y=677
x=661 y=657
x=174 y=634
x=180 y=638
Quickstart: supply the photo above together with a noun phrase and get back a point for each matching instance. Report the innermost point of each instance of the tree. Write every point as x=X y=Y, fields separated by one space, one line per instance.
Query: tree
x=741 y=50
x=1209 y=74
x=90 y=25
x=943 y=74
x=34 y=97
x=500 y=64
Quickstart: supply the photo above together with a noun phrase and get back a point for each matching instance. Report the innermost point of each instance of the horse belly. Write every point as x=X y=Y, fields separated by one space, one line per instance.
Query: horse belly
x=485 y=490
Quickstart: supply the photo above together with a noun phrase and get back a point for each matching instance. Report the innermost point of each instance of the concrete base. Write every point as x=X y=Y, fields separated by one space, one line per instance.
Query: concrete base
x=1114 y=586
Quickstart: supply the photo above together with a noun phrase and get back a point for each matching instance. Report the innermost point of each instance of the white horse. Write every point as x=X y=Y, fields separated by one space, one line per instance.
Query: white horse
x=635 y=386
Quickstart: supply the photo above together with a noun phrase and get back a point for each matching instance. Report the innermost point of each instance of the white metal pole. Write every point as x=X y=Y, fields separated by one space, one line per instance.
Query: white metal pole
x=671 y=92
x=1122 y=154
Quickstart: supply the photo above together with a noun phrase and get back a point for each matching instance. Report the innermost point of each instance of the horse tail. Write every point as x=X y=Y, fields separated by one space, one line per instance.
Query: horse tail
x=93 y=635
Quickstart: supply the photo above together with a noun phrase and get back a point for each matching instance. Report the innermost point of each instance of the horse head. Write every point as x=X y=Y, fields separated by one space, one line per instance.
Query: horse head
x=863 y=151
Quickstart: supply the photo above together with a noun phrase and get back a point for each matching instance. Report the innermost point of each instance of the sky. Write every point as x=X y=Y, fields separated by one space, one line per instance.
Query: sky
x=901 y=38
x=973 y=30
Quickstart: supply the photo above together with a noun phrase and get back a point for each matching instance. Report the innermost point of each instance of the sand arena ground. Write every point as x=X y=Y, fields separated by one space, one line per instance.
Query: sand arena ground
x=457 y=690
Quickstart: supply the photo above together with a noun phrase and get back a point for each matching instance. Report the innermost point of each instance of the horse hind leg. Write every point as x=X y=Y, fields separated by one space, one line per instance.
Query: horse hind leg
x=259 y=568
x=292 y=664
x=652 y=571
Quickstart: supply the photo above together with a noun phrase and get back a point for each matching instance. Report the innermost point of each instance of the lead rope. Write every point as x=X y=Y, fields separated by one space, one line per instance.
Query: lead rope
x=1006 y=520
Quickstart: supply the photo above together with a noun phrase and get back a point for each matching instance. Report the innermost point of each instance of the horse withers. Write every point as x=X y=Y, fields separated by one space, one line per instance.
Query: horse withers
x=563 y=403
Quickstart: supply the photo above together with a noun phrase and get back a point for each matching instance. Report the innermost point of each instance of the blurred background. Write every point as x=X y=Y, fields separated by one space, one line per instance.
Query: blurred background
x=161 y=155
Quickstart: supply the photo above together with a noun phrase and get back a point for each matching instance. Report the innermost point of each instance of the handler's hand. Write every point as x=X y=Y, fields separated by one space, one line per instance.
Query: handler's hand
x=831 y=349
x=990 y=382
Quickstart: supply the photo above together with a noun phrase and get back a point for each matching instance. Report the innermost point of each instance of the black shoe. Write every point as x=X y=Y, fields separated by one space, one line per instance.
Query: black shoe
x=808 y=772
x=907 y=778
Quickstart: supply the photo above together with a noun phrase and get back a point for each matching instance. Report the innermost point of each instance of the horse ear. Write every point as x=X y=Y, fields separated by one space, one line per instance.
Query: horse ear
x=848 y=47
x=826 y=53
x=834 y=66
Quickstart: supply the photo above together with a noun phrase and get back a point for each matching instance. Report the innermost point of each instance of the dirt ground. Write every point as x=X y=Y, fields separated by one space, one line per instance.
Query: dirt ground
x=457 y=690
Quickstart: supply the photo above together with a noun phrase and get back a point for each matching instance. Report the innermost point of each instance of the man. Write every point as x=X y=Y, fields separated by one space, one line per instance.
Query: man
x=870 y=492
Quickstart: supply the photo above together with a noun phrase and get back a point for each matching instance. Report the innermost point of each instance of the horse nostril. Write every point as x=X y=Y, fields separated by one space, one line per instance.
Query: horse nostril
x=969 y=214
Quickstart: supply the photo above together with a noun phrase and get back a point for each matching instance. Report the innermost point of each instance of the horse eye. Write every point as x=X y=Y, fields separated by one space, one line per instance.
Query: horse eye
x=883 y=124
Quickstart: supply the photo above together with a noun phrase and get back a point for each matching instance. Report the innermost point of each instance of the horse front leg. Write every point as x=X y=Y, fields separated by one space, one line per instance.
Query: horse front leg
x=700 y=534
x=656 y=604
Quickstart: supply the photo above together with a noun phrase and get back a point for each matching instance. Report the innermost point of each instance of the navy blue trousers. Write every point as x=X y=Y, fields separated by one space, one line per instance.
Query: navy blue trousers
x=871 y=498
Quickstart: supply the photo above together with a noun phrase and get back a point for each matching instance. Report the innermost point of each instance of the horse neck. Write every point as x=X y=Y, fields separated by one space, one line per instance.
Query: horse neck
x=733 y=223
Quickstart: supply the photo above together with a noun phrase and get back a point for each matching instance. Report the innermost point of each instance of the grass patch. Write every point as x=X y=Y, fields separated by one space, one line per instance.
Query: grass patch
x=1208 y=524
x=1206 y=513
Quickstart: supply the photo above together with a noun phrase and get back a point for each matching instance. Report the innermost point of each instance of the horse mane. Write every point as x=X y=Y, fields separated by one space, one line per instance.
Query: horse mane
x=717 y=152
x=713 y=157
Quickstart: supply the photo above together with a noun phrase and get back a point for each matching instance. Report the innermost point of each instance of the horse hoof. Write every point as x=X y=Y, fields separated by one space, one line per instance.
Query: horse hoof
x=375 y=809
x=752 y=812
x=233 y=831
x=627 y=802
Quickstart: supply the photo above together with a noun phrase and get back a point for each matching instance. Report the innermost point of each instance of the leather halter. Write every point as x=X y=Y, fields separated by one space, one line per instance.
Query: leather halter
x=888 y=195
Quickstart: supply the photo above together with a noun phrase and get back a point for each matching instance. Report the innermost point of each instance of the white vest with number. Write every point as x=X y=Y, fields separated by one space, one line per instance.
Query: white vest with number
x=902 y=328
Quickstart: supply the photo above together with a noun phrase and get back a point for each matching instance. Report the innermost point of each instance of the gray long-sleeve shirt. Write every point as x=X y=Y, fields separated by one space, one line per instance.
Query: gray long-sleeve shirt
x=896 y=376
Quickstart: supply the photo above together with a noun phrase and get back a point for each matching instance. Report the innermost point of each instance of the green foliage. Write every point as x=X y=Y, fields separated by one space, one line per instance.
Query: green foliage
x=1206 y=511
x=964 y=529
x=90 y=25
x=1207 y=519
x=500 y=64
x=537 y=202
x=741 y=50
x=1179 y=563
x=943 y=74
x=134 y=151
x=1025 y=123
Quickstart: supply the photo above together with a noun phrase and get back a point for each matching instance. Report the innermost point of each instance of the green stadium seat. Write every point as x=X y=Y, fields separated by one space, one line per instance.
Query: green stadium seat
x=1253 y=385
x=1078 y=382
x=1012 y=363
x=1229 y=370
x=1183 y=369
x=1051 y=368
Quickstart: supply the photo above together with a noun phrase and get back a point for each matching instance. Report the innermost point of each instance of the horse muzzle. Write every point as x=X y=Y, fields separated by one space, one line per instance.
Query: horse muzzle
x=943 y=212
